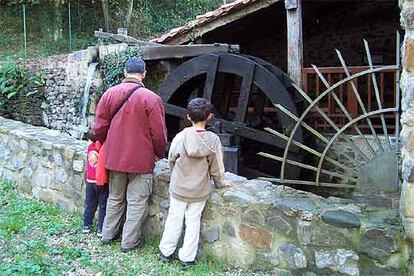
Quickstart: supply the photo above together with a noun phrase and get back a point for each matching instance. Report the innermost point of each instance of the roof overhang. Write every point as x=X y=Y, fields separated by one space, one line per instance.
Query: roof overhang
x=210 y=21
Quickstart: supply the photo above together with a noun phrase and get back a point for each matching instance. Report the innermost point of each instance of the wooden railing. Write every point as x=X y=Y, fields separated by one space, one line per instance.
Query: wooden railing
x=386 y=82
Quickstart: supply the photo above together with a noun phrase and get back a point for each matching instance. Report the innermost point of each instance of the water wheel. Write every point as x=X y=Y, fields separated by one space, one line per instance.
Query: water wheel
x=244 y=91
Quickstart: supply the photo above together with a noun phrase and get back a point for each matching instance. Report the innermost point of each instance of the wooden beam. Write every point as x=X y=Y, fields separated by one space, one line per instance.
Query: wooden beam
x=245 y=90
x=211 y=79
x=294 y=39
x=124 y=39
x=155 y=51
x=185 y=51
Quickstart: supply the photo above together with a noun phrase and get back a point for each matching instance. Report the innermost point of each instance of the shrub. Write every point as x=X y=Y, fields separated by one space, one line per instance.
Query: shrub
x=113 y=66
x=16 y=80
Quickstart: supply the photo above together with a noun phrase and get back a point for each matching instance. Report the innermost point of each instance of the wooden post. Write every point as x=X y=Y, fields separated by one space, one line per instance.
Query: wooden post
x=294 y=39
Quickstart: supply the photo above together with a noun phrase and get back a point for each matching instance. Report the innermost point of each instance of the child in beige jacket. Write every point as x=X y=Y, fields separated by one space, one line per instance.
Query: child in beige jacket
x=195 y=155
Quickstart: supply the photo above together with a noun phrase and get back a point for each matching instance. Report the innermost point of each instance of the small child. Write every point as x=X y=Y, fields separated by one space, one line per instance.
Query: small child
x=195 y=155
x=96 y=193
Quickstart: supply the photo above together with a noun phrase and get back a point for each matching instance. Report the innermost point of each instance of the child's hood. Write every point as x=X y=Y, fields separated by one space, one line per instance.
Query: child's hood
x=200 y=143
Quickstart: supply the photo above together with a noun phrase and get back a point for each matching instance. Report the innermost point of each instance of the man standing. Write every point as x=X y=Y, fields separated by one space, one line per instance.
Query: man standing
x=130 y=119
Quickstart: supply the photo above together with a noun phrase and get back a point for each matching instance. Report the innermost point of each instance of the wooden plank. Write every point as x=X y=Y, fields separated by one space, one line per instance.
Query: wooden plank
x=352 y=69
x=211 y=78
x=295 y=42
x=246 y=87
x=155 y=51
x=124 y=39
x=310 y=183
x=305 y=81
x=185 y=51
x=352 y=103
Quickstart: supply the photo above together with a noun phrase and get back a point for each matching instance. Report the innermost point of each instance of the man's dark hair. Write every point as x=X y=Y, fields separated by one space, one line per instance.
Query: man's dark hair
x=135 y=65
x=198 y=109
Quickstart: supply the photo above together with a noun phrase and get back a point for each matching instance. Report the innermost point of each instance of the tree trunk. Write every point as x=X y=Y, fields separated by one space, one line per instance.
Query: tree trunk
x=107 y=15
x=58 y=22
x=129 y=13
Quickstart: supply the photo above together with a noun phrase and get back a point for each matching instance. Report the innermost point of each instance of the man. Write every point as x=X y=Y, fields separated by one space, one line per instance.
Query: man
x=130 y=119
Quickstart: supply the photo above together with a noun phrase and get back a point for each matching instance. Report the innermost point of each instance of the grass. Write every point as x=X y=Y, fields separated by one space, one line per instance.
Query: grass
x=36 y=238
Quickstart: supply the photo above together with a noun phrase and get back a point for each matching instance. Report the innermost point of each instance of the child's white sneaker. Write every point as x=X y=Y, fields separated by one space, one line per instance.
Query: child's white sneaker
x=86 y=229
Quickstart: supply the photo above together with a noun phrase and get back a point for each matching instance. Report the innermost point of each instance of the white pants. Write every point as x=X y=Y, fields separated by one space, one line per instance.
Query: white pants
x=174 y=225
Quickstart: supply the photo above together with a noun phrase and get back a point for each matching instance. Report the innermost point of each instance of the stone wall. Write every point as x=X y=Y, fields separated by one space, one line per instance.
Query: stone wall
x=43 y=162
x=378 y=177
x=407 y=118
x=326 y=26
x=253 y=224
x=58 y=105
x=65 y=82
x=265 y=226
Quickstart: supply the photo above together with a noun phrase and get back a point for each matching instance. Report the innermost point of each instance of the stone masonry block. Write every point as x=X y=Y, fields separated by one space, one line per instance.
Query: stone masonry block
x=408 y=170
x=256 y=236
x=408 y=199
x=343 y=261
x=407 y=15
x=320 y=234
x=407 y=118
x=409 y=55
x=409 y=229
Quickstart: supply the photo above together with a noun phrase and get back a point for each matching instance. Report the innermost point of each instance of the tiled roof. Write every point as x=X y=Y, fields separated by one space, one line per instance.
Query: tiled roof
x=204 y=19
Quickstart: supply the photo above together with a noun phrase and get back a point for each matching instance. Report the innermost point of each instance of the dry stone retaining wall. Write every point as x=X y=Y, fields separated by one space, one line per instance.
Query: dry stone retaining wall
x=278 y=228
x=58 y=104
x=254 y=224
x=43 y=162
x=407 y=119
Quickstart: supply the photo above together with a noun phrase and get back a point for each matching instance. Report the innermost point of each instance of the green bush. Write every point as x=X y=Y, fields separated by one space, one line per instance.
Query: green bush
x=15 y=80
x=113 y=66
x=48 y=26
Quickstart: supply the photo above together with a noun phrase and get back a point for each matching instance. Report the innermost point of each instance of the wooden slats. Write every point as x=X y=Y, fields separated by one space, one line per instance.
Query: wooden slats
x=246 y=87
x=313 y=86
x=211 y=79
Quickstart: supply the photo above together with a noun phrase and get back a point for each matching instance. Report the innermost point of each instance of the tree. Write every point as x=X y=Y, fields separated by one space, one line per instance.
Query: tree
x=20 y=2
x=129 y=12
x=107 y=14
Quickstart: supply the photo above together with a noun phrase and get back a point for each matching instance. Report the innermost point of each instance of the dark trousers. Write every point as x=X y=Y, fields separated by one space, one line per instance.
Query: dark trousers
x=95 y=195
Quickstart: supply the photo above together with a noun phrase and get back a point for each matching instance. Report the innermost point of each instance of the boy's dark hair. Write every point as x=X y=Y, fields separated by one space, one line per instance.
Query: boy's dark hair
x=198 y=109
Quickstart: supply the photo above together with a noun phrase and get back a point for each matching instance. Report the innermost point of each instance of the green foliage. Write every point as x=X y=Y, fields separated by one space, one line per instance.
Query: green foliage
x=20 y=2
x=167 y=14
x=48 y=28
x=16 y=80
x=113 y=66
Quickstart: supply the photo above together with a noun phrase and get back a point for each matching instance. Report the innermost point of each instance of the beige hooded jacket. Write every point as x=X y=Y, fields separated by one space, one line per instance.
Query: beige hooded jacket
x=194 y=157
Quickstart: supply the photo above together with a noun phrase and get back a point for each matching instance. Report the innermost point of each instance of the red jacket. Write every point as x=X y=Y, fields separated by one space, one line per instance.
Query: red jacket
x=136 y=136
x=92 y=155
